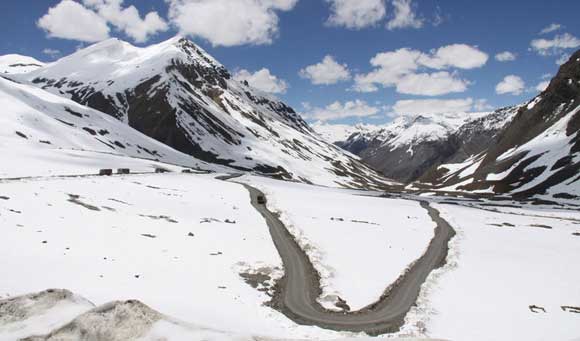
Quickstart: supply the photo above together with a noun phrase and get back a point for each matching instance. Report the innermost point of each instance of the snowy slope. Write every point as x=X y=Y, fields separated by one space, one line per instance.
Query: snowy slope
x=358 y=244
x=44 y=134
x=16 y=64
x=177 y=94
x=175 y=241
x=336 y=133
x=504 y=265
x=538 y=153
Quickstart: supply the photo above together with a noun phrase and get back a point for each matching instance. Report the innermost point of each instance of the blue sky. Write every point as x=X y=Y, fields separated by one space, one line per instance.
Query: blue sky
x=454 y=45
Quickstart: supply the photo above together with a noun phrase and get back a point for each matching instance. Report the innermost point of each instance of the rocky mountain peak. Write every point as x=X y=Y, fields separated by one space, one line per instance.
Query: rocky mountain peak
x=178 y=94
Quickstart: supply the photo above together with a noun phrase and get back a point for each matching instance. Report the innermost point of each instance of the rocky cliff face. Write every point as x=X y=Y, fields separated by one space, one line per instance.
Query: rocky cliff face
x=538 y=153
x=179 y=95
x=411 y=146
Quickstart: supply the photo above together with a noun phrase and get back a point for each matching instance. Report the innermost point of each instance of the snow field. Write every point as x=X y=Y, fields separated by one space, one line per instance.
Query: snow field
x=500 y=271
x=358 y=244
x=161 y=239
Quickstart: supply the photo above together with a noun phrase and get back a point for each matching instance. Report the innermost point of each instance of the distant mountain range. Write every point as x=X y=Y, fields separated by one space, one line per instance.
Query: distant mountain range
x=537 y=153
x=410 y=145
x=173 y=101
x=528 y=149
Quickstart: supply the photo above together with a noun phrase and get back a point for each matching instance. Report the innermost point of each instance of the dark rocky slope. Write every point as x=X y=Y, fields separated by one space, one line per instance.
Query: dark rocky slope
x=537 y=153
x=410 y=147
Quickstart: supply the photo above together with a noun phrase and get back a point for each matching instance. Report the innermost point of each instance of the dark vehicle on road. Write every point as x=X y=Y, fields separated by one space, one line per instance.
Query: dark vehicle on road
x=106 y=172
x=261 y=199
x=123 y=171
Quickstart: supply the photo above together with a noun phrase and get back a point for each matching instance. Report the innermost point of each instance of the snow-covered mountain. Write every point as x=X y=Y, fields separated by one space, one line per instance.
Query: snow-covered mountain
x=410 y=145
x=179 y=95
x=45 y=134
x=15 y=63
x=338 y=133
x=537 y=153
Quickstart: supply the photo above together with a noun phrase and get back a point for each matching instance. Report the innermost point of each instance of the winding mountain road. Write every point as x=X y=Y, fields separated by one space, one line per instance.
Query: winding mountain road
x=297 y=292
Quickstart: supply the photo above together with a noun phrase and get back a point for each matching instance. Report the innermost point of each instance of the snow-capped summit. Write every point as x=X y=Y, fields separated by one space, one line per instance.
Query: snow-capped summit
x=15 y=64
x=45 y=134
x=411 y=144
x=178 y=94
x=337 y=133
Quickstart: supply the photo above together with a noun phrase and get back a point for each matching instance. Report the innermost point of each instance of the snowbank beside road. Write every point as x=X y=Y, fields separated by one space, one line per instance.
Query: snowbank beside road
x=359 y=244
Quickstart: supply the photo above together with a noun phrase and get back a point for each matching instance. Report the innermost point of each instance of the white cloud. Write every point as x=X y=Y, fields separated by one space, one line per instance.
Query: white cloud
x=542 y=86
x=326 y=72
x=404 y=16
x=401 y=69
x=262 y=80
x=356 y=14
x=53 y=53
x=559 y=43
x=227 y=22
x=90 y=23
x=431 y=84
x=338 y=110
x=505 y=56
x=563 y=59
x=482 y=105
x=511 y=84
x=433 y=106
x=71 y=20
x=460 y=56
x=550 y=28
x=128 y=19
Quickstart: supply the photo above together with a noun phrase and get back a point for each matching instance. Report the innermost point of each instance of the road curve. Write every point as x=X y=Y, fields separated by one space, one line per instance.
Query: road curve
x=297 y=292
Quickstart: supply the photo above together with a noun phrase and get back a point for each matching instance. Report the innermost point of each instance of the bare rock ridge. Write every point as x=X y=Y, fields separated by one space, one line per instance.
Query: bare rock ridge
x=524 y=150
x=411 y=145
x=179 y=95
x=537 y=153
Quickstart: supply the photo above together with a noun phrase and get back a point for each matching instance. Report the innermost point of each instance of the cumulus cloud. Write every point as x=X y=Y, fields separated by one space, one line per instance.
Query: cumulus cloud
x=431 y=84
x=404 y=16
x=71 y=20
x=511 y=84
x=563 y=59
x=555 y=46
x=89 y=21
x=402 y=69
x=542 y=86
x=505 y=56
x=482 y=105
x=551 y=28
x=326 y=72
x=262 y=80
x=338 y=110
x=229 y=23
x=433 y=106
x=128 y=19
x=356 y=14
x=460 y=56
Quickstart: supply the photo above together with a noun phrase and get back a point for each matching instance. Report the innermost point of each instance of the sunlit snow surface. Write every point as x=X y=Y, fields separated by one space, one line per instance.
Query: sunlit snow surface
x=178 y=242
x=503 y=263
x=358 y=243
